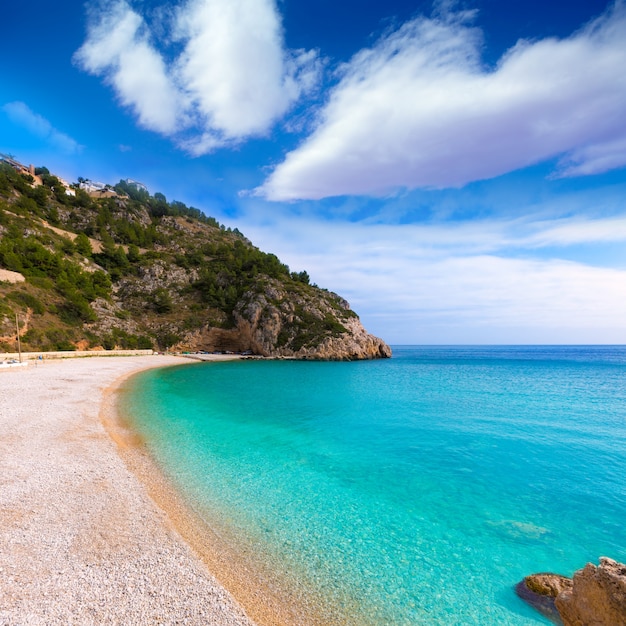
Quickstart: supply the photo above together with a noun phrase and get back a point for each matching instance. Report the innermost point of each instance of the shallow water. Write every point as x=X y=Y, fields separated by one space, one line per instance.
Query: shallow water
x=416 y=490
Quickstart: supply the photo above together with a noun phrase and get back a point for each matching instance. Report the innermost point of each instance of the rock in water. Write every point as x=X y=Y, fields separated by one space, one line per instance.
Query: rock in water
x=548 y=584
x=540 y=591
x=597 y=597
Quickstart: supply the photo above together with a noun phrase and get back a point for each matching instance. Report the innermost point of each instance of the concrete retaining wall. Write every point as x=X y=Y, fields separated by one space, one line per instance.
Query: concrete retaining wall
x=71 y=354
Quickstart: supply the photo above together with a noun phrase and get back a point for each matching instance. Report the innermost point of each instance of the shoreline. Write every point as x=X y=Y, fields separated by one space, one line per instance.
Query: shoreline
x=82 y=541
x=267 y=600
x=107 y=508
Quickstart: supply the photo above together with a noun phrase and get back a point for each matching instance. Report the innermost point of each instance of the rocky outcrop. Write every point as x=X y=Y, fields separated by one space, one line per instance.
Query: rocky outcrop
x=158 y=275
x=298 y=321
x=11 y=277
x=355 y=344
x=541 y=590
x=597 y=596
x=213 y=339
x=305 y=324
x=163 y=275
x=547 y=584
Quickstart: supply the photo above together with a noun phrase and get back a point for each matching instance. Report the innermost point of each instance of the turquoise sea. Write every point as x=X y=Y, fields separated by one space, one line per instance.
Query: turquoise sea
x=415 y=490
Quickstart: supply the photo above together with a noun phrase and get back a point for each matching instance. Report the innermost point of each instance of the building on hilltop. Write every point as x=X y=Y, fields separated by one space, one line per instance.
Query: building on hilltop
x=136 y=184
x=17 y=166
x=97 y=190
x=30 y=171
x=22 y=169
x=90 y=185
x=68 y=188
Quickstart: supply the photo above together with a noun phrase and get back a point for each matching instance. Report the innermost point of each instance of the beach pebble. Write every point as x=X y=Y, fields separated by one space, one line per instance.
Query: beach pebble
x=81 y=542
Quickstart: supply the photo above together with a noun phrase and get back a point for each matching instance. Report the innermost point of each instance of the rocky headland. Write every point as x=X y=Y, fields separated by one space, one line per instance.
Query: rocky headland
x=595 y=596
x=133 y=271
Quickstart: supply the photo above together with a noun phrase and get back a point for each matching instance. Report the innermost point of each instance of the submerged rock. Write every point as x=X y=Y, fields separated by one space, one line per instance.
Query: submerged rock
x=597 y=596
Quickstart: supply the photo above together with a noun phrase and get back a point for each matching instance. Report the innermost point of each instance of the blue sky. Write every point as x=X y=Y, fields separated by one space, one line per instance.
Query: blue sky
x=456 y=170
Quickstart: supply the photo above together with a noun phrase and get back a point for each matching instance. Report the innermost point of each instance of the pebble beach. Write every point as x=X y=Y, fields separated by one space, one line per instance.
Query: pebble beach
x=81 y=539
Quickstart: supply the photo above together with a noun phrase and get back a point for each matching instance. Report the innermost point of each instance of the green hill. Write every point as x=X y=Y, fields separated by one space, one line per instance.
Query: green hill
x=135 y=271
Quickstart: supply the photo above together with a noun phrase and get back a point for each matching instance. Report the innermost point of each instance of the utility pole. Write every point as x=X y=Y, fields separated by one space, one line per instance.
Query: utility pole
x=19 y=345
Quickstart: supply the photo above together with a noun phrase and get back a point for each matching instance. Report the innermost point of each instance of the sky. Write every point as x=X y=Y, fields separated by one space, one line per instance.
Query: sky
x=455 y=170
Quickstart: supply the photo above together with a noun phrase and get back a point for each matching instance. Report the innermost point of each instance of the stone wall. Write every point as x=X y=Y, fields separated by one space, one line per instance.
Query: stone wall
x=70 y=354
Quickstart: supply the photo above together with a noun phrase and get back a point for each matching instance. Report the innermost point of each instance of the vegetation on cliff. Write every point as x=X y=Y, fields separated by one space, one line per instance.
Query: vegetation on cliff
x=136 y=271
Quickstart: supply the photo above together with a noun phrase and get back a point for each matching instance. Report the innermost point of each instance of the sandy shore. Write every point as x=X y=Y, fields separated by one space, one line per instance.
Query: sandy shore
x=81 y=540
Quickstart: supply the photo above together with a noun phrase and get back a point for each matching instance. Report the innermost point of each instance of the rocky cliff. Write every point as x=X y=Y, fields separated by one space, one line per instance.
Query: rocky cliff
x=303 y=324
x=136 y=271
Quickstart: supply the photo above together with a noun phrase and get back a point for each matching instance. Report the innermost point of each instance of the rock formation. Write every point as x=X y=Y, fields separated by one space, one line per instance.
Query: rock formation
x=540 y=591
x=597 y=596
x=305 y=325
x=134 y=271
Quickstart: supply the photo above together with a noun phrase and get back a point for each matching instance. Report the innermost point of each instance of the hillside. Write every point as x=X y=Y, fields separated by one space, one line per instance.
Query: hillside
x=119 y=268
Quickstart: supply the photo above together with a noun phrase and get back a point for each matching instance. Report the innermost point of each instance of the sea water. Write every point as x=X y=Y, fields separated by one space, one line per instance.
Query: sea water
x=415 y=490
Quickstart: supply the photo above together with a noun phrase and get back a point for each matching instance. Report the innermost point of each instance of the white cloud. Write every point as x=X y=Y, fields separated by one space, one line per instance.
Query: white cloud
x=234 y=67
x=301 y=238
x=118 y=47
x=519 y=300
x=419 y=110
x=457 y=282
x=566 y=232
x=594 y=158
x=21 y=114
x=232 y=80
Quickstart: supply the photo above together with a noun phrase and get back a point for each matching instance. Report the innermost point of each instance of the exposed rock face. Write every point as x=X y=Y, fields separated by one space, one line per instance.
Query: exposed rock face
x=597 y=597
x=547 y=584
x=163 y=275
x=159 y=275
x=11 y=277
x=357 y=343
x=288 y=324
x=298 y=322
x=540 y=591
x=214 y=339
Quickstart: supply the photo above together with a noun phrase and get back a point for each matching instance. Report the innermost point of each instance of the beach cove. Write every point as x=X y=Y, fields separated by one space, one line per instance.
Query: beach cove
x=419 y=490
x=82 y=541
